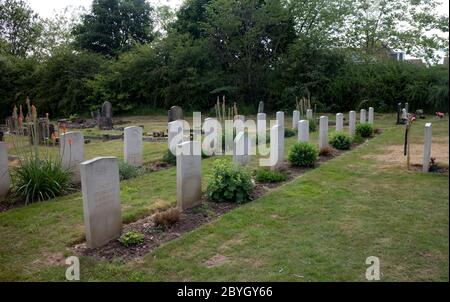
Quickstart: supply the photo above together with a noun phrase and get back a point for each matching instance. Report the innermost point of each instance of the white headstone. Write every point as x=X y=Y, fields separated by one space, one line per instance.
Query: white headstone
x=303 y=131
x=277 y=147
x=189 y=181
x=404 y=114
x=133 y=146
x=323 y=132
x=241 y=154
x=261 y=125
x=5 y=180
x=101 y=200
x=362 y=116
x=371 y=114
x=309 y=114
x=295 y=119
x=352 y=123
x=71 y=146
x=339 y=122
x=239 y=123
x=280 y=118
x=175 y=135
x=427 y=148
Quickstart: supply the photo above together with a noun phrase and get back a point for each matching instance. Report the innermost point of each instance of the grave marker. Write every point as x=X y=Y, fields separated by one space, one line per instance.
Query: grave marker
x=133 y=146
x=277 y=147
x=295 y=119
x=309 y=114
x=427 y=148
x=362 y=116
x=352 y=123
x=175 y=113
x=241 y=150
x=5 y=180
x=280 y=118
x=303 y=131
x=323 y=132
x=371 y=115
x=261 y=107
x=339 y=122
x=71 y=145
x=189 y=183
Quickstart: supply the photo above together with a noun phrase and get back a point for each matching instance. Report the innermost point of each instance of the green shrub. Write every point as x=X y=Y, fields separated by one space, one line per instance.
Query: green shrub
x=303 y=154
x=357 y=139
x=229 y=183
x=73 y=117
x=38 y=180
x=127 y=171
x=312 y=125
x=131 y=238
x=364 y=130
x=169 y=158
x=289 y=132
x=340 y=141
x=266 y=175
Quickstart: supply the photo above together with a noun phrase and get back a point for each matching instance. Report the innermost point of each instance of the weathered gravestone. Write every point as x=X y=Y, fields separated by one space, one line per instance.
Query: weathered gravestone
x=5 y=180
x=427 y=148
x=100 y=185
x=339 y=122
x=352 y=123
x=241 y=150
x=309 y=114
x=280 y=119
x=371 y=115
x=277 y=147
x=261 y=107
x=407 y=107
x=303 y=131
x=133 y=146
x=295 y=119
x=362 y=116
x=323 y=132
x=175 y=113
x=105 y=119
x=189 y=181
x=404 y=114
x=261 y=127
x=71 y=146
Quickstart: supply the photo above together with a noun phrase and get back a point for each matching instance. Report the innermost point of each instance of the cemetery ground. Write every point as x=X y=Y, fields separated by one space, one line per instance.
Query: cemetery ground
x=320 y=226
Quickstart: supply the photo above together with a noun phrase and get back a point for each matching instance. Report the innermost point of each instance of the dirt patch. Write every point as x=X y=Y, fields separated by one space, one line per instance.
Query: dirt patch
x=216 y=260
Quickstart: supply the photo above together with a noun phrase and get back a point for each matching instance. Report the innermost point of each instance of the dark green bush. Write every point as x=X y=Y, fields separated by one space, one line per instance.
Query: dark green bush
x=289 y=132
x=127 y=171
x=340 y=141
x=364 y=130
x=229 y=183
x=131 y=238
x=38 y=180
x=303 y=154
x=312 y=125
x=266 y=175
x=357 y=139
x=169 y=158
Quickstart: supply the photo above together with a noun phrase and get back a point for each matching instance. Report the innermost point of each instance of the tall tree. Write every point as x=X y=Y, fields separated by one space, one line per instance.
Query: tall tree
x=114 y=26
x=20 y=27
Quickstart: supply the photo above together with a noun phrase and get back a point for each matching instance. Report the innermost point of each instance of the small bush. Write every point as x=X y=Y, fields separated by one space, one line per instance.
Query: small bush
x=229 y=183
x=266 y=175
x=364 y=130
x=39 y=180
x=169 y=158
x=166 y=218
x=325 y=151
x=131 y=238
x=312 y=125
x=303 y=154
x=340 y=141
x=289 y=132
x=127 y=171
x=358 y=139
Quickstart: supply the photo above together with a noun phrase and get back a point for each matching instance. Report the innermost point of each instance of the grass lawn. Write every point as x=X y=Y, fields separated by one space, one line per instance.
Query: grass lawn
x=319 y=227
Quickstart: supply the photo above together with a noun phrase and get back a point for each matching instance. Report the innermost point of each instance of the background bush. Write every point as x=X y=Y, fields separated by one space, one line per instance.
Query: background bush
x=341 y=141
x=127 y=171
x=266 y=175
x=229 y=183
x=303 y=154
x=364 y=130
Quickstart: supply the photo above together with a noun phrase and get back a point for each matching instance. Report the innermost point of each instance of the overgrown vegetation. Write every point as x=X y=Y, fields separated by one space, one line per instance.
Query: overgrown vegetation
x=131 y=238
x=303 y=154
x=127 y=171
x=266 y=175
x=229 y=183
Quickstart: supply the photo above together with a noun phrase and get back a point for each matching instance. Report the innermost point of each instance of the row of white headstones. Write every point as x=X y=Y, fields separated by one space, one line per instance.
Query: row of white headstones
x=100 y=179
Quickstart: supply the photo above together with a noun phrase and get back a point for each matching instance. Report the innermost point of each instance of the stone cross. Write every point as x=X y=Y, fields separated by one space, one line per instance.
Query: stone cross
x=303 y=131
x=295 y=119
x=323 y=132
x=309 y=114
x=352 y=123
x=5 y=180
x=371 y=114
x=71 y=145
x=362 y=116
x=261 y=107
x=100 y=185
x=132 y=147
x=189 y=181
x=175 y=113
x=241 y=154
x=280 y=118
x=277 y=147
x=427 y=148
x=175 y=135
x=339 y=122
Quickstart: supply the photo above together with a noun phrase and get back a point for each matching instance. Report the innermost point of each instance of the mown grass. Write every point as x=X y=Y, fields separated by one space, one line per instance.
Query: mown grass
x=319 y=227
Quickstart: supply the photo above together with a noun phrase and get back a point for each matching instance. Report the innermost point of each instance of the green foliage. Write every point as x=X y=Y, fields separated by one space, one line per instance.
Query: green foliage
x=340 y=141
x=289 y=132
x=39 y=180
x=303 y=154
x=312 y=125
x=127 y=171
x=266 y=175
x=131 y=238
x=364 y=130
x=358 y=139
x=229 y=183
x=169 y=158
